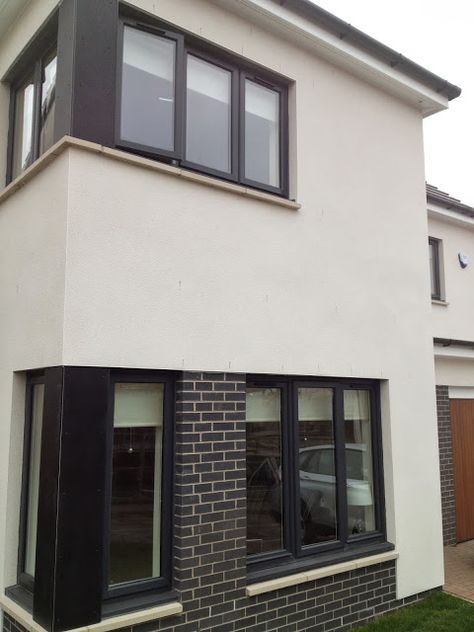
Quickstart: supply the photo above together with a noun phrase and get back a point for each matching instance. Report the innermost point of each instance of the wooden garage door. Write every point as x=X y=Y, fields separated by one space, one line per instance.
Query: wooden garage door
x=462 y=424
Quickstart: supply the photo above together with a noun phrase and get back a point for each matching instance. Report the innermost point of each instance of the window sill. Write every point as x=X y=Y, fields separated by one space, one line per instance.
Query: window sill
x=318 y=573
x=437 y=301
x=145 y=163
x=106 y=625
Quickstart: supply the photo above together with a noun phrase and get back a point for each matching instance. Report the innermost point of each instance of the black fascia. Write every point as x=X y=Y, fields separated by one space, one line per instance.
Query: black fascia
x=87 y=60
x=362 y=41
x=123 y=597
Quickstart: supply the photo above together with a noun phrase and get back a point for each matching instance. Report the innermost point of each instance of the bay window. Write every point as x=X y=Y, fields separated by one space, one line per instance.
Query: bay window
x=185 y=102
x=95 y=523
x=314 y=470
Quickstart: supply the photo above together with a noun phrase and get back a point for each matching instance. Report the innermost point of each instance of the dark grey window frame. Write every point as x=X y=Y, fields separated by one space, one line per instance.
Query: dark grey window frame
x=241 y=69
x=70 y=587
x=30 y=63
x=435 y=244
x=293 y=557
x=25 y=580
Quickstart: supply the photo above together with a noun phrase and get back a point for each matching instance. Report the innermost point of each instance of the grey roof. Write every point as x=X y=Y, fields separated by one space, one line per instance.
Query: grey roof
x=433 y=194
x=360 y=40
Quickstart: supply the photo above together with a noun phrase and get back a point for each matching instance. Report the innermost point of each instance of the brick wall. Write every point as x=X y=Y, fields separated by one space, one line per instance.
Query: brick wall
x=209 y=553
x=446 y=465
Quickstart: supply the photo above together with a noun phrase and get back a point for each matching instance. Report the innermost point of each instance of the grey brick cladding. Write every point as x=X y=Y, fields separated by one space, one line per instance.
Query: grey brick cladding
x=446 y=465
x=209 y=555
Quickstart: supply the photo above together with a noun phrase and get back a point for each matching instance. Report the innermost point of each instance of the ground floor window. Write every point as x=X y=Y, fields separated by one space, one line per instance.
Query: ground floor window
x=314 y=467
x=95 y=523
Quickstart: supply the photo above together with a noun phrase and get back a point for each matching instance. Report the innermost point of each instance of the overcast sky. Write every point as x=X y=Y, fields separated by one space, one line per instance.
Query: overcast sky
x=439 y=35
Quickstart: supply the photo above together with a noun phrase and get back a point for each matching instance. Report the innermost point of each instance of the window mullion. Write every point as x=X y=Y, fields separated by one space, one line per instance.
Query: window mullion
x=339 y=439
x=290 y=488
x=180 y=98
x=37 y=109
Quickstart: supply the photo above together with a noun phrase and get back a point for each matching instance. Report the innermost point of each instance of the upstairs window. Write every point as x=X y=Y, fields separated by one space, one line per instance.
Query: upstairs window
x=435 y=268
x=187 y=104
x=33 y=105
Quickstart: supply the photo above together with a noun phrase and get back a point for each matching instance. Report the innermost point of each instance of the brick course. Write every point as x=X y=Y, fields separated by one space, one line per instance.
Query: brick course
x=209 y=553
x=446 y=465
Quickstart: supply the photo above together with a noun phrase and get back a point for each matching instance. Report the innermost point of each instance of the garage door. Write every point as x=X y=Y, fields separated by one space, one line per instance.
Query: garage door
x=462 y=424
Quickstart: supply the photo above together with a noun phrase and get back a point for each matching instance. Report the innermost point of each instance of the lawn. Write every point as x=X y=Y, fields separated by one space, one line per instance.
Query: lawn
x=437 y=613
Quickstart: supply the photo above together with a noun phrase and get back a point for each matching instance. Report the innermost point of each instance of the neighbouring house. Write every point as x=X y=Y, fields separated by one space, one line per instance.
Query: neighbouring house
x=217 y=392
x=451 y=244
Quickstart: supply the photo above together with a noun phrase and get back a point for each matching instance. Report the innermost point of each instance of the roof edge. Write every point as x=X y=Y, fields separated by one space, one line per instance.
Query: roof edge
x=434 y=195
x=362 y=41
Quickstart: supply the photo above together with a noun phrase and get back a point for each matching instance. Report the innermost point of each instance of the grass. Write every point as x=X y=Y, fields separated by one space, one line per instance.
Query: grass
x=437 y=613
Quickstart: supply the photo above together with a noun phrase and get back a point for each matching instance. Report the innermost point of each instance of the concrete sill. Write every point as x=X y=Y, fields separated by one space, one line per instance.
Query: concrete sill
x=113 y=623
x=435 y=301
x=318 y=573
x=145 y=163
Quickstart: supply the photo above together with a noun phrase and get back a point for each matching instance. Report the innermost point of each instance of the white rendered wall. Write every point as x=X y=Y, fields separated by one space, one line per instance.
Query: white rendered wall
x=32 y=260
x=454 y=321
x=165 y=273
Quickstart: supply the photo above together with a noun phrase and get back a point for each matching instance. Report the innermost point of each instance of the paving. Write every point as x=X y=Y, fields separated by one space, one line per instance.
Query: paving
x=459 y=570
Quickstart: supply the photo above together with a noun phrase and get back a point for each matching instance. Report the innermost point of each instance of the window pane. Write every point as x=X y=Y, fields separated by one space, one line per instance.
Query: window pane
x=23 y=132
x=48 y=99
x=208 y=115
x=136 y=482
x=262 y=134
x=264 y=489
x=317 y=479
x=148 y=89
x=360 y=494
x=36 y=422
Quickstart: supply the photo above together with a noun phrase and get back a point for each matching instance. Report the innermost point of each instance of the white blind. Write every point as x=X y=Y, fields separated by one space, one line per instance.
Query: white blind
x=314 y=404
x=261 y=101
x=208 y=79
x=150 y=53
x=356 y=405
x=138 y=405
x=263 y=404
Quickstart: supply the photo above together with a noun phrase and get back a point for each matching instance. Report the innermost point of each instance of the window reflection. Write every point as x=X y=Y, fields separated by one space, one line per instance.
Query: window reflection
x=360 y=495
x=48 y=100
x=317 y=481
x=23 y=131
x=264 y=491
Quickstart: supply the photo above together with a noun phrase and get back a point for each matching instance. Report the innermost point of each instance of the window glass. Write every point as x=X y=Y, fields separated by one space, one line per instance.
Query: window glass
x=208 y=114
x=358 y=432
x=264 y=489
x=434 y=268
x=23 y=130
x=136 y=482
x=148 y=89
x=262 y=134
x=36 y=424
x=317 y=484
x=48 y=100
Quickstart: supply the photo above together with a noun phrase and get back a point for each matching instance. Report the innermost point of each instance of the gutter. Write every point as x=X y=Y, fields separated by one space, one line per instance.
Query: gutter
x=434 y=195
x=347 y=32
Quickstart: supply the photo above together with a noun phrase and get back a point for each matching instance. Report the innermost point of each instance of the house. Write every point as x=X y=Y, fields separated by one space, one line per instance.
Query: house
x=451 y=243
x=217 y=394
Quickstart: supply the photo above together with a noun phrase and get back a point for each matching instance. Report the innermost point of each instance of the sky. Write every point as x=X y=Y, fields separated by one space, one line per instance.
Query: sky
x=439 y=35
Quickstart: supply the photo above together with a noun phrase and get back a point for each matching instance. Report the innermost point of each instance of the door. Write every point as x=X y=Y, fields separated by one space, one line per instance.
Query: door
x=462 y=428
